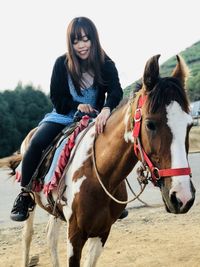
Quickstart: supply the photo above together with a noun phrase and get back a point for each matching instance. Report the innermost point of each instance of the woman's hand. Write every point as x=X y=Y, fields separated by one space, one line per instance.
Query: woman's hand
x=86 y=108
x=101 y=120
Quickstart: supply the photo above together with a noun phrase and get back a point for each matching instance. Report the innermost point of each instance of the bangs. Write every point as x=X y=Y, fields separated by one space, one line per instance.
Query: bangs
x=76 y=30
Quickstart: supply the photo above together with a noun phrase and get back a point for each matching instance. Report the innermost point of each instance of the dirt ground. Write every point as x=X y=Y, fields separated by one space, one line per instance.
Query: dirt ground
x=147 y=237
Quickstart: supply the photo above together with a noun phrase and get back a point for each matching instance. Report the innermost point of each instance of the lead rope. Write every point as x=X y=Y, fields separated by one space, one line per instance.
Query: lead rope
x=104 y=188
x=137 y=196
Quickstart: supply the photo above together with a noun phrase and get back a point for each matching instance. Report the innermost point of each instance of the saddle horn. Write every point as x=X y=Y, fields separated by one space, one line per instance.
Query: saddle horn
x=151 y=73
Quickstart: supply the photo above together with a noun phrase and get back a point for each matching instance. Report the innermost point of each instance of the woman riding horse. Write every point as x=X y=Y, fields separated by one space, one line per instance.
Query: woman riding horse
x=81 y=79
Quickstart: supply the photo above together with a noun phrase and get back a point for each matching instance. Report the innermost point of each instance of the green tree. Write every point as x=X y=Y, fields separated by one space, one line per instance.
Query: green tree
x=20 y=111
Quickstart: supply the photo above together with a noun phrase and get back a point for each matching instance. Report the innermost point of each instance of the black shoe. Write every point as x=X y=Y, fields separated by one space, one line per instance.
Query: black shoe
x=124 y=214
x=22 y=205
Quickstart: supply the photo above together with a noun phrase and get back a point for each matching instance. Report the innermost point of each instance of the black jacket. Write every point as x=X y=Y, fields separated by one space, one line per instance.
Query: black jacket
x=60 y=94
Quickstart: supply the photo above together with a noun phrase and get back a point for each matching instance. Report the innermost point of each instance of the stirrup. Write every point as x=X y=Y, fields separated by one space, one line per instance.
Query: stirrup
x=22 y=206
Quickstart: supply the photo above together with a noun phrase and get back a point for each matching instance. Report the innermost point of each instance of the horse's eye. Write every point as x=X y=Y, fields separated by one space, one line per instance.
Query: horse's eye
x=151 y=126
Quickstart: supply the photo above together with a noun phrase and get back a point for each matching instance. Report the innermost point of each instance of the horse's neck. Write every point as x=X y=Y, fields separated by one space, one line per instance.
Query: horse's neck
x=114 y=155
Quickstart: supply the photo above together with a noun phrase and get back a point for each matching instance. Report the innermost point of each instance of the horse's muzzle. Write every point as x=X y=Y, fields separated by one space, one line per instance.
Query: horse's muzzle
x=177 y=204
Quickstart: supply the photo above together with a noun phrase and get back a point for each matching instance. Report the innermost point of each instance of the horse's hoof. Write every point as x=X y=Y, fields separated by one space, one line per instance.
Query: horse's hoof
x=34 y=261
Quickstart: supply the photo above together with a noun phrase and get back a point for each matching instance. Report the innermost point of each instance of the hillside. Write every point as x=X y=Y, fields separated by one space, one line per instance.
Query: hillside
x=192 y=58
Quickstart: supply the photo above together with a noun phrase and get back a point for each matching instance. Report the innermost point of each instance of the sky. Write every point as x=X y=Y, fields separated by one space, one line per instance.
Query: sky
x=33 y=34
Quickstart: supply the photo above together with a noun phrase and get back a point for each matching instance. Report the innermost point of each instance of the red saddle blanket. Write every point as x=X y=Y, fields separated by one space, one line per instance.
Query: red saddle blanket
x=48 y=175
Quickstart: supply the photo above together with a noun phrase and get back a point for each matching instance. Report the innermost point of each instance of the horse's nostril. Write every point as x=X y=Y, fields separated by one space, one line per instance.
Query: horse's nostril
x=173 y=196
x=176 y=201
x=179 y=202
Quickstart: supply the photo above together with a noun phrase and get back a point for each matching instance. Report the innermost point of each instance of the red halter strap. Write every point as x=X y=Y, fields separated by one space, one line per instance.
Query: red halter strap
x=156 y=174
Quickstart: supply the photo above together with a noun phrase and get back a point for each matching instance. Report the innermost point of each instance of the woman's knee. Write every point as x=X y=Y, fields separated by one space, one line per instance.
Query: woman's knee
x=44 y=136
x=38 y=142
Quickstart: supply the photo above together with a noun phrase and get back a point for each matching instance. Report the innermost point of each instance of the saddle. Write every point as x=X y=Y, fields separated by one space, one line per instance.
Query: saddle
x=67 y=135
x=81 y=121
x=37 y=180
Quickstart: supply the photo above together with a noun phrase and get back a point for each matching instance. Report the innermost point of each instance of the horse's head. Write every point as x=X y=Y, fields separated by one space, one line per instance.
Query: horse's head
x=164 y=133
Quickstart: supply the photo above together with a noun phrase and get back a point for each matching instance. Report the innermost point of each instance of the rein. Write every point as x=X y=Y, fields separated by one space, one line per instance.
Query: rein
x=147 y=165
x=104 y=188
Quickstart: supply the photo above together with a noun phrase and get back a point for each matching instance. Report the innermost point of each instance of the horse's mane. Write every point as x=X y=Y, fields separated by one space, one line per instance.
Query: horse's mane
x=167 y=89
x=122 y=103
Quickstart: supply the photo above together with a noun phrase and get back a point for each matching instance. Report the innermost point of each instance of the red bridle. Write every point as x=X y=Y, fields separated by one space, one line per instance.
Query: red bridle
x=156 y=173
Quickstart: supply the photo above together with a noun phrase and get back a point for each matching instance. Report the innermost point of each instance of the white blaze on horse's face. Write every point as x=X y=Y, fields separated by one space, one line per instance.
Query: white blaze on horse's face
x=178 y=121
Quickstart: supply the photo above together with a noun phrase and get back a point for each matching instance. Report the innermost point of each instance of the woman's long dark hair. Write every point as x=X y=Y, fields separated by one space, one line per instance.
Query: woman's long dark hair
x=96 y=57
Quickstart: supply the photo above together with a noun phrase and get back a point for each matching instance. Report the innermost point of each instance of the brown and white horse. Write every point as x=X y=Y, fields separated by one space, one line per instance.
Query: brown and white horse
x=153 y=127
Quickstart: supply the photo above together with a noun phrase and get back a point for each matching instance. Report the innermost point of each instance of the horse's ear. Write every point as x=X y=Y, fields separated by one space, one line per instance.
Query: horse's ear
x=181 y=71
x=151 y=73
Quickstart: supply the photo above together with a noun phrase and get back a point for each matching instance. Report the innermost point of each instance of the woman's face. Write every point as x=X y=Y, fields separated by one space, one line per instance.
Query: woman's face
x=82 y=46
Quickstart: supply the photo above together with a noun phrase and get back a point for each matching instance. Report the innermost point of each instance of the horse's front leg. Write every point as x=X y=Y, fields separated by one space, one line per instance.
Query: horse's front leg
x=26 y=238
x=94 y=249
x=75 y=243
x=53 y=228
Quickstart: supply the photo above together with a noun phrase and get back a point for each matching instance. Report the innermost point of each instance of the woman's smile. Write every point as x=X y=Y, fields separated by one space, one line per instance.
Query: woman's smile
x=82 y=46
